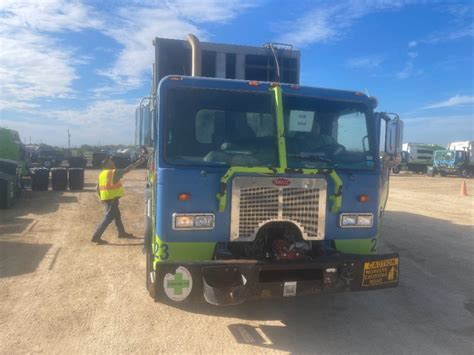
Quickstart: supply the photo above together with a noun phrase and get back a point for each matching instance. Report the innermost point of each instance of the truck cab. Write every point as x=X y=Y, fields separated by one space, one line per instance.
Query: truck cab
x=260 y=189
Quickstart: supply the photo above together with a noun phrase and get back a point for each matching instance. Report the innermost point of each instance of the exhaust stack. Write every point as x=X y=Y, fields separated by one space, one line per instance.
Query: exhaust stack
x=196 y=55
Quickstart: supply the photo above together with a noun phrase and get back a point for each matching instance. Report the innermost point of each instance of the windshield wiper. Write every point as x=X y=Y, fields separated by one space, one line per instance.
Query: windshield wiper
x=312 y=157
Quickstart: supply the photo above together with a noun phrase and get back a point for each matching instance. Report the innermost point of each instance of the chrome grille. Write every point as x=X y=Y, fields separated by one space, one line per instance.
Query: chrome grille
x=257 y=201
x=256 y=204
x=301 y=205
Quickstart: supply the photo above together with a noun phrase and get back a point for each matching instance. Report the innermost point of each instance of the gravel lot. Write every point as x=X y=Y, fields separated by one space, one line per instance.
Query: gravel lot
x=61 y=294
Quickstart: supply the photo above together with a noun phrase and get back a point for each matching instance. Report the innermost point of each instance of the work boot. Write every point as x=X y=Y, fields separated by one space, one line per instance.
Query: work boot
x=99 y=241
x=126 y=235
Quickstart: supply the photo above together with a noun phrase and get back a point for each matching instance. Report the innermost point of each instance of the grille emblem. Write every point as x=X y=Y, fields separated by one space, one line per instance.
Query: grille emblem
x=281 y=182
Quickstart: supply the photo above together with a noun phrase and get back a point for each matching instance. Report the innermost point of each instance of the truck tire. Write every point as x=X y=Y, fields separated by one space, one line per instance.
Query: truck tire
x=442 y=173
x=464 y=173
x=396 y=169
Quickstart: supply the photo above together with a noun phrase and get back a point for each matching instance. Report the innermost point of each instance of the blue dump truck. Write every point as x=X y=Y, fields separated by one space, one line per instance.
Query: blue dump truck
x=457 y=159
x=259 y=187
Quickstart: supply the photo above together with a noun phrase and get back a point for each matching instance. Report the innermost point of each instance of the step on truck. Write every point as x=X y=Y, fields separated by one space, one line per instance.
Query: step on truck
x=259 y=187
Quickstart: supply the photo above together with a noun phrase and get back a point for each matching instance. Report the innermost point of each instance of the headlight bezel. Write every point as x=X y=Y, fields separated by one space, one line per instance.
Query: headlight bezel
x=210 y=216
x=356 y=217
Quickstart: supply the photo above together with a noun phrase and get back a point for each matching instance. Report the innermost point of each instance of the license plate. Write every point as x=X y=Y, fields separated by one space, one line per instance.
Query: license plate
x=289 y=289
x=380 y=272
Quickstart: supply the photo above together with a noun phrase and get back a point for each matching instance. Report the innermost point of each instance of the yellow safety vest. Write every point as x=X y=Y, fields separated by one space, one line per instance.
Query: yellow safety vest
x=108 y=190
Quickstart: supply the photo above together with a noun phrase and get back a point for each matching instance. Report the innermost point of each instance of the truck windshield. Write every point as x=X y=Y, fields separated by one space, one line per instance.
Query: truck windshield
x=322 y=133
x=447 y=155
x=219 y=127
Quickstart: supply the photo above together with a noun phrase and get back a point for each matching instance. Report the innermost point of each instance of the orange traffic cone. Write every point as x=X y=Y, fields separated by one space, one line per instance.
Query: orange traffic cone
x=463 y=191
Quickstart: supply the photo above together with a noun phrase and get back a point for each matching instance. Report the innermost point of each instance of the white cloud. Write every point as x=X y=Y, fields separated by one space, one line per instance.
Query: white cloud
x=427 y=128
x=368 y=63
x=459 y=33
x=210 y=10
x=412 y=44
x=457 y=100
x=409 y=71
x=89 y=125
x=329 y=21
x=32 y=62
x=413 y=54
x=135 y=27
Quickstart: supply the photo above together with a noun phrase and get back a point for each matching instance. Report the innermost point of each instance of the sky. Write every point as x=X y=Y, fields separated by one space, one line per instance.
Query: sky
x=84 y=65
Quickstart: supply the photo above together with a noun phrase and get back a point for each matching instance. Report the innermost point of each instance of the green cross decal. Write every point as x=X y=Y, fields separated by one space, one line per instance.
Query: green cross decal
x=178 y=284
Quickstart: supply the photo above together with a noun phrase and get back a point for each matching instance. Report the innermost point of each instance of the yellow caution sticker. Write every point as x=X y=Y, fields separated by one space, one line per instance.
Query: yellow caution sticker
x=380 y=272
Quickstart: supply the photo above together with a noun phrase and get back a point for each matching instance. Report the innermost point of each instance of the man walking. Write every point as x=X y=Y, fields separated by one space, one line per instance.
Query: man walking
x=110 y=190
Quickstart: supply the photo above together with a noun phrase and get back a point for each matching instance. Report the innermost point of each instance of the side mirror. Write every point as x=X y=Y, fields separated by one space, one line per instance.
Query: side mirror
x=394 y=136
x=393 y=139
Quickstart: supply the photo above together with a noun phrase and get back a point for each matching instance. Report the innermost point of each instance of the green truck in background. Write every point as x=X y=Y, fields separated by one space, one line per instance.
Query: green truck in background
x=12 y=165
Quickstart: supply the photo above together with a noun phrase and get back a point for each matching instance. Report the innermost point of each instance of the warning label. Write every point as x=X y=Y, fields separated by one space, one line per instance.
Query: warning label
x=380 y=272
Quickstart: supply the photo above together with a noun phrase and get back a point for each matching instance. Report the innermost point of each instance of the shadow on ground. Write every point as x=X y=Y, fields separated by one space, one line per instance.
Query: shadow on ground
x=20 y=258
x=37 y=203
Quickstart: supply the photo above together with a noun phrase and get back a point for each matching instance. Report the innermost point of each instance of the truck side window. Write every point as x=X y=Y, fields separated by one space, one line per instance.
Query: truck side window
x=351 y=131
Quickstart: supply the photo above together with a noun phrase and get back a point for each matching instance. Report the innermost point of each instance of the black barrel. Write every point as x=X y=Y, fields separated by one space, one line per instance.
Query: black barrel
x=77 y=162
x=76 y=179
x=39 y=179
x=59 y=179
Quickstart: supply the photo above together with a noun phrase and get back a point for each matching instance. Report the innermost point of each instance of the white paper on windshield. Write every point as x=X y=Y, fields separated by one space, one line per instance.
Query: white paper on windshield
x=301 y=121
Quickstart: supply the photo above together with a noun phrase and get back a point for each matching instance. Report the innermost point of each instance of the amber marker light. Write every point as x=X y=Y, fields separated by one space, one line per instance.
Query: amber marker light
x=253 y=83
x=184 y=197
x=363 y=198
x=176 y=77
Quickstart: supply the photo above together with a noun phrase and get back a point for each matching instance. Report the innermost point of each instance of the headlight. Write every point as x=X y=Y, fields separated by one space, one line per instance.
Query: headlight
x=193 y=221
x=365 y=220
x=184 y=221
x=356 y=220
x=349 y=220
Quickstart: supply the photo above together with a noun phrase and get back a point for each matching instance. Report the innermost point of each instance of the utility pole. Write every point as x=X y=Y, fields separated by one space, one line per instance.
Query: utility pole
x=68 y=143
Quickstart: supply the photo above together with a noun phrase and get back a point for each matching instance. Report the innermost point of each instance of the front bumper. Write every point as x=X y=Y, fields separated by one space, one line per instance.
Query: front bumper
x=230 y=282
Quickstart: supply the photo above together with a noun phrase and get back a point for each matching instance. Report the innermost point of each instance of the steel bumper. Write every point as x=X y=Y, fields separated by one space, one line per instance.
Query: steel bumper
x=230 y=282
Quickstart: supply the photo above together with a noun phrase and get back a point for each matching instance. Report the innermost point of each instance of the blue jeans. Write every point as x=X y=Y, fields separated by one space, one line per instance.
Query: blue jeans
x=112 y=213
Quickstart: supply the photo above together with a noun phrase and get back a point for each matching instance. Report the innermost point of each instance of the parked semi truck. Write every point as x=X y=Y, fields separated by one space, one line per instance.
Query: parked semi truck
x=416 y=157
x=457 y=159
x=259 y=187
x=12 y=165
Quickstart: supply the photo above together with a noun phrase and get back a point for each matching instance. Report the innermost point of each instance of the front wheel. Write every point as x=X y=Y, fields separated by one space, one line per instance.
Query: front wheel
x=396 y=169
x=464 y=173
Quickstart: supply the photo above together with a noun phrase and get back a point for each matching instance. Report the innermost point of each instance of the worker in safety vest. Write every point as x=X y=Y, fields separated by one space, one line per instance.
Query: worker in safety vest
x=110 y=189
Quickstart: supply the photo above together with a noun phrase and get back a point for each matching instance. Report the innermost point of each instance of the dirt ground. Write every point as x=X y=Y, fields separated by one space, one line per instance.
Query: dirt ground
x=59 y=293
